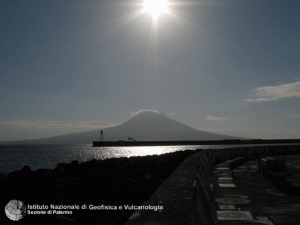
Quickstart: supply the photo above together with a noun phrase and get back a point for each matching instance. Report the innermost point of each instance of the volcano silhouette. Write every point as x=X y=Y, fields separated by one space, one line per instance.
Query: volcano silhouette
x=155 y=126
x=147 y=125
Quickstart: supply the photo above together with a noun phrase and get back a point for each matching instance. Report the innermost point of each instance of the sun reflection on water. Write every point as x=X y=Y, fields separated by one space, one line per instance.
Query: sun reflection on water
x=118 y=152
x=48 y=156
x=142 y=151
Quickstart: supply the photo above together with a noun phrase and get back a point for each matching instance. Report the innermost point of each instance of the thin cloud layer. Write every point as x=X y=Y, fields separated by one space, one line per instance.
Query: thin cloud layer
x=274 y=93
x=20 y=130
x=211 y=117
x=59 y=124
x=144 y=110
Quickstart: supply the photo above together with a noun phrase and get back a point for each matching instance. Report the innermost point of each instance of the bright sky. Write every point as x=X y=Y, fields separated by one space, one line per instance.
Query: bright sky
x=227 y=66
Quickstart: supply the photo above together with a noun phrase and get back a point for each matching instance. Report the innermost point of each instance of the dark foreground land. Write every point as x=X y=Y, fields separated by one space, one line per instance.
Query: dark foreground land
x=97 y=184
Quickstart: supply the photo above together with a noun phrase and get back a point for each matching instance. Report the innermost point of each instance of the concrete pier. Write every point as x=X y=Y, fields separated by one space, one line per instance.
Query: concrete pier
x=224 y=187
x=201 y=142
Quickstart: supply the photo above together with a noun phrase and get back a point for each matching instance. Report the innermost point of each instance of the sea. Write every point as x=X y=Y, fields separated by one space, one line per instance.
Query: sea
x=15 y=157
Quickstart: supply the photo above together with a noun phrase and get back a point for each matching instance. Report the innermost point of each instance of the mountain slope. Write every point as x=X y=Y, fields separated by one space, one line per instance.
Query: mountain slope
x=145 y=126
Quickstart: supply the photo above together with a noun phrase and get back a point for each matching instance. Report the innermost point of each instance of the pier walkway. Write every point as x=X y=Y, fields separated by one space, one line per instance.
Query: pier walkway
x=243 y=196
x=239 y=196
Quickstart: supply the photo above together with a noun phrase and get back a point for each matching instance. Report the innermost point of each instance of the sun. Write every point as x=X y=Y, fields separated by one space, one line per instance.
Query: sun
x=155 y=7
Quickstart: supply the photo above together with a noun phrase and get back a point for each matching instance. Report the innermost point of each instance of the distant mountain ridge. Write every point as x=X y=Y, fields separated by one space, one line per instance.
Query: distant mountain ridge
x=148 y=125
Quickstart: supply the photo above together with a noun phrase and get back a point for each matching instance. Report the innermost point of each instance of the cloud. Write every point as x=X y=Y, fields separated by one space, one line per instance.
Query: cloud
x=295 y=115
x=59 y=124
x=144 y=110
x=211 y=117
x=232 y=129
x=274 y=93
x=17 y=130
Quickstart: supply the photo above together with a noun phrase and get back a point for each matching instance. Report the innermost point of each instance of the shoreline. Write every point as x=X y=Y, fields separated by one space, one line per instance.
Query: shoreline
x=110 y=182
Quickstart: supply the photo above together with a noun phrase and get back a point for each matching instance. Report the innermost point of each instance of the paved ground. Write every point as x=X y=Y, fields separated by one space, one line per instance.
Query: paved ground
x=243 y=196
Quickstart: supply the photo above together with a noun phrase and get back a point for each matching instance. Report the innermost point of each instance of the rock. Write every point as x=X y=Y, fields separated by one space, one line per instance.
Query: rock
x=114 y=181
x=63 y=165
x=3 y=176
x=24 y=173
x=59 y=170
x=26 y=169
x=47 y=174
x=74 y=162
x=64 y=219
x=58 y=186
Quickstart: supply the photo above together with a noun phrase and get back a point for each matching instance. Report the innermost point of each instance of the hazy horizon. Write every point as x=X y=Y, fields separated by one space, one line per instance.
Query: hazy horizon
x=145 y=125
x=226 y=67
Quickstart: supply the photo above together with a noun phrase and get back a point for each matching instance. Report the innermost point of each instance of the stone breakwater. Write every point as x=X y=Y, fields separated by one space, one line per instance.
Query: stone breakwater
x=189 y=194
x=91 y=191
x=226 y=159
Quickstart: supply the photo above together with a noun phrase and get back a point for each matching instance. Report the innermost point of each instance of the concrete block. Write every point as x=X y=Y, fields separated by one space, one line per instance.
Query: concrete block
x=227 y=207
x=227 y=185
x=234 y=215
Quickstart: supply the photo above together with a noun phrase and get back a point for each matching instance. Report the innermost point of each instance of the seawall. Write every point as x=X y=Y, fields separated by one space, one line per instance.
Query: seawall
x=202 y=142
x=187 y=194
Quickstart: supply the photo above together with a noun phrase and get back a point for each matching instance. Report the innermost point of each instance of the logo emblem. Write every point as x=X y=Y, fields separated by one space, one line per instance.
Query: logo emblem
x=15 y=210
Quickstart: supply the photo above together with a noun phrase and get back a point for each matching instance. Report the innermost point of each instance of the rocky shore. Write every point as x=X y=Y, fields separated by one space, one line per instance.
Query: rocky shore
x=93 y=192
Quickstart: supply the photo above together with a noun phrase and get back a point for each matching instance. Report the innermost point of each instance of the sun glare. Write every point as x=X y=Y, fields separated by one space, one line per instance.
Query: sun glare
x=155 y=7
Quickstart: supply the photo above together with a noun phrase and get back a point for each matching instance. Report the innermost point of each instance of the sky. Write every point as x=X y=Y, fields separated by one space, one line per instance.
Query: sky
x=226 y=66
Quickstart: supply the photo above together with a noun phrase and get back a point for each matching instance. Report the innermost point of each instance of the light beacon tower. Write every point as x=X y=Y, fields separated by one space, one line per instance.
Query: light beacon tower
x=101 y=136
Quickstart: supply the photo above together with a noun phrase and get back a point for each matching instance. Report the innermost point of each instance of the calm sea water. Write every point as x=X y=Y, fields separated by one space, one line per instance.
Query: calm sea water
x=13 y=158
